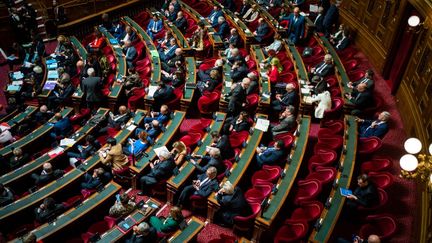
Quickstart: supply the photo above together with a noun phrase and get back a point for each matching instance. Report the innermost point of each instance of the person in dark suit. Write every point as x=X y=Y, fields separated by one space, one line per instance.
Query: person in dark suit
x=237 y=97
x=162 y=116
x=368 y=79
x=234 y=56
x=94 y=180
x=223 y=27
x=239 y=71
x=331 y=17
x=233 y=39
x=210 y=83
x=296 y=27
x=223 y=144
x=237 y=124
x=180 y=22
x=48 y=210
x=42 y=116
x=283 y=100
x=177 y=60
x=117 y=121
x=143 y=233
x=91 y=87
x=171 y=13
x=232 y=203
x=213 y=159
x=46 y=175
x=343 y=42
x=204 y=186
x=214 y=16
x=128 y=35
x=6 y=195
x=153 y=129
x=18 y=159
x=84 y=151
x=61 y=127
x=323 y=68
x=244 y=8
x=169 y=51
x=374 y=128
x=261 y=31
x=229 y=4
x=163 y=95
x=357 y=239
x=130 y=53
x=269 y=156
x=319 y=20
x=161 y=169
x=63 y=90
x=325 y=4
x=361 y=99
x=366 y=194
x=287 y=121
x=155 y=26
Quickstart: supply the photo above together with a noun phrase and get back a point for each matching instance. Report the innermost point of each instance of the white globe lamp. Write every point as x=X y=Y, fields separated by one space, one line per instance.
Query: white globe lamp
x=413 y=21
x=413 y=145
x=408 y=162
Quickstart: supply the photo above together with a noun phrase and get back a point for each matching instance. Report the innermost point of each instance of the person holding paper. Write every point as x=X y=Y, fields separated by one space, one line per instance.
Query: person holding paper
x=271 y=155
x=17 y=56
x=365 y=195
x=113 y=156
x=135 y=147
x=161 y=169
x=287 y=121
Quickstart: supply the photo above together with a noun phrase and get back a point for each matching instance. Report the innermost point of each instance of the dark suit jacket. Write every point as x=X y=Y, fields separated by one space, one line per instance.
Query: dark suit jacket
x=319 y=23
x=234 y=39
x=215 y=15
x=367 y=196
x=270 y=157
x=378 y=131
x=244 y=8
x=91 y=87
x=369 y=82
x=120 y=121
x=363 y=100
x=325 y=71
x=289 y=98
x=261 y=31
x=331 y=17
x=242 y=126
x=239 y=73
x=130 y=55
x=17 y=162
x=229 y=4
x=163 y=94
x=225 y=148
x=181 y=24
x=325 y=4
x=62 y=127
x=296 y=29
x=206 y=189
x=232 y=205
x=209 y=162
x=223 y=29
x=48 y=214
x=132 y=36
x=90 y=182
x=238 y=96
x=163 y=169
x=343 y=44
x=285 y=125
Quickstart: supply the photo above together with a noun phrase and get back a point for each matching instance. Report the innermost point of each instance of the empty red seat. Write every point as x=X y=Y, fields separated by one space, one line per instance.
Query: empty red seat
x=209 y=103
x=238 y=138
x=356 y=75
x=268 y=173
x=136 y=100
x=253 y=100
x=198 y=202
x=287 y=77
x=221 y=174
x=376 y=164
x=382 y=225
x=191 y=139
x=332 y=82
x=245 y=223
x=322 y=157
x=381 y=179
x=254 y=196
x=367 y=146
x=307 y=190
x=336 y=125
x=327 y=132
x=336 y=111
x=72 y=201
x=332 y=143
x=175 y=103
x=350 y=65
x=309 y=211
x=324 y=175
x=292 y=231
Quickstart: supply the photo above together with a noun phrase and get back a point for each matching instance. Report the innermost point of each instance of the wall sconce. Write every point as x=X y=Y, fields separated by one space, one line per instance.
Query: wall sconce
x=416 y=165
x=414 y=21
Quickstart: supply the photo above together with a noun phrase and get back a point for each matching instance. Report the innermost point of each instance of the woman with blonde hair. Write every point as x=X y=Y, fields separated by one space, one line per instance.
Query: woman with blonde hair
x=169 y=224
x=274 y=70
x=179 y=151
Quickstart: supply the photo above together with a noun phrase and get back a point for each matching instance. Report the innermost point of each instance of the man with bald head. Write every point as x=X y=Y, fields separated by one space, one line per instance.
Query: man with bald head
x=362 y=99
x=117 y=121
x=237 y=97
x=171 y=63
x=61 y=127
x=283 y=100
x=169 y=51
x=296 y=27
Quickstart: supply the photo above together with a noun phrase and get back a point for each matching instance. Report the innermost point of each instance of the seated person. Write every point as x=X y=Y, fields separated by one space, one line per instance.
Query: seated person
x=273 y=73
x=229 y=4
x=153 y=130
x=232 y=203
x=298 y=3
x=161 y=169
x=162 y=116
x=213 y=159
x=239 y=71
x=324 y=102
x=253 y=87
x=170 y=224
x=214 y=16
x=376 y=128
x=116 y=122
x=95 y=180
x=361 y=99
x=181 y=22
x=5 y=135
x=63 y=90
x=45 y=176
x=154 y=27
x=173 y=62
x=205 y=74
x=251 y=14
x=113 y=156
x=130 y=53
x=42 y=116
x=118 y=30
x=61 y=126
x=48 y=210
x=97 y=43
x=276 y=45
x=135 y=147
x=223 y=144
x=366 y=194
x=18 y=159
x=209 y=84
x=283 y=100
x=196 y=41
x=6 y=195
x=165 y=41
x=167 y=53
x=368 y=79
x=323 y=68
x=123 y=206
x=233 y=39
x=318 y=84
x=132 y=81
x=287 y=121
x=128 y=35
x=237 y=97
x=204 y=186
x=142 y=233
x=179 y=151
x=237 y=124
x=177 y=77
x=163 y=95
x=234 y=56
x=334 y=38
x=270 y=156
x=223 y=27
x=245 y=6
x=171 y=13
x=261 y=31
x=90 y=147
x=343 y=42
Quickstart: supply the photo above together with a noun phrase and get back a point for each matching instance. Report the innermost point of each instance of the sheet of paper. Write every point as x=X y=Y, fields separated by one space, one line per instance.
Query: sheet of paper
x=159 y=150
x=18 y=82
x=313 y=8
x=264 y=75
x=17 y=75
x=228 y=84
x=27 y=64
x=262 y=124
x=57 y=151
x=3 y=53
x=131 y=127
x=305 y=91
x=152 y=90
x=53 y=74
x=69 y=142
x=13 y=87
x=11 y=57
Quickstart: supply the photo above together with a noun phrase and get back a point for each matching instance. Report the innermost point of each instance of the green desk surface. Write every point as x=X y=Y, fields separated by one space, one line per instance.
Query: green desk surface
x=37 y=163
x=82 y=52
x=68 y=178
x=217 y=40
x=344 y=79
x=285 y=184
x=74 y=214
x=330 y=216
x=191 y=78
x=115 y=234
x=187 y=168
x=36 y=134
x=226 y=77
x=258 y=55
x=155 y=60
x=9 y=116
x=21 y=116
x=121 y=64
x=193 y=228
x=299 y=68
x=163 y=140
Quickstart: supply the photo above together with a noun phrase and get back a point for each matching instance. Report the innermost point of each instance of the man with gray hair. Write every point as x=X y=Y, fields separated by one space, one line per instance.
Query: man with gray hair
x=161 y=169
x=142 y=233
x=287 y=99
x=223 y=28
x=374 y=128
x=287 y=121
x=213 y=159
x=92 y=89
x=130 y=53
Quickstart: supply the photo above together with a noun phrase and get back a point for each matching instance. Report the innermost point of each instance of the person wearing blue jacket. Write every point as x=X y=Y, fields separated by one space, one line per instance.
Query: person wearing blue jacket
x=374 y=128
x=270 y=156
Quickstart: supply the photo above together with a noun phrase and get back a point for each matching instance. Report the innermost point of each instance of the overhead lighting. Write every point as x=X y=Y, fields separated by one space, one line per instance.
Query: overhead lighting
x=414 y=21
x=416 y=165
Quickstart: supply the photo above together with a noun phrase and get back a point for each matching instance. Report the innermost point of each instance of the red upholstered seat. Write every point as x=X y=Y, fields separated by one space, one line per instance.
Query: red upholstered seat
x=382 y=225
x=287 y=77
x=198 y=202
x=332 y=81
x=324 y=175
x=382 y=201
x=267 y=174
x=253 y=100
x=87 y=192
x=309 y=211
x=292 y=231
x=287 y=138
x=332 y=143
x=228 y=166
x=209 y=103
x=72 y=201
x=136 y=100
x=98 y=227
x=238 y=138
x=327 y=132
x=376 y=164
x=307 y=190
x=347 y=53
x=254 y=196
x=245 y=223
x=368 y=145
x=350 y=65
x=175 y=103
x=191 y=139
x=381 y=179
x=356 y=75
x=334 y=125
x=111 y=221
x=336 y=110
x=141 y=64
x=322 y=157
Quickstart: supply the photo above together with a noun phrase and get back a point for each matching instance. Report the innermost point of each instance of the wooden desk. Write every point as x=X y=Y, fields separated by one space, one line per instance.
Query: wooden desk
x=33 y=165
x=34 y=136
x=239 y=168
x=186 y=170
x=45 y=231
x=189 y=233
x=162 y=140
x=191 y=79
x=284 y=185
x=82 y=52
x=330 y=216
x=257 y=54
x=115 y=234
x=121 y=71
x=55 y=186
